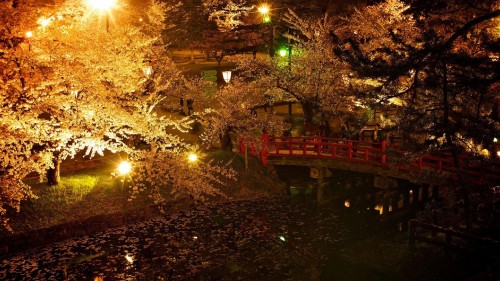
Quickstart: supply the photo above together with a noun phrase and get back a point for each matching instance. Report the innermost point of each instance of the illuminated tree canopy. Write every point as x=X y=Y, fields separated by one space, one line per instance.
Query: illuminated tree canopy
x=74 y=85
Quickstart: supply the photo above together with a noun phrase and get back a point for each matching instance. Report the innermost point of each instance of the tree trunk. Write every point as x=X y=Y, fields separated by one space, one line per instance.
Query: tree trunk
x=462 y=185
x=54 y=174
x=192 y=55
x=308 y=109
x=225 y=141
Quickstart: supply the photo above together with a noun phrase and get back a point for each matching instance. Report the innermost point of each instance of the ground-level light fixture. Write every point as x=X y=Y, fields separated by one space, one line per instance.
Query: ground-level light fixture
x=124 y=168
x=227 y=76
x=192 y=157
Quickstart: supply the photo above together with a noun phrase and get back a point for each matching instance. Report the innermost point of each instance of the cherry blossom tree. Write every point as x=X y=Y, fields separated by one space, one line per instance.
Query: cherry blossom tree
x=73 y=85
x=231 y=115
x=439 y=62
x=226 y=14
x=308 y=73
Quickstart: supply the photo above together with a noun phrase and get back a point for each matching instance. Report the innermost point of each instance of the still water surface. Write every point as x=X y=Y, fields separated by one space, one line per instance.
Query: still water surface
x=264 y=239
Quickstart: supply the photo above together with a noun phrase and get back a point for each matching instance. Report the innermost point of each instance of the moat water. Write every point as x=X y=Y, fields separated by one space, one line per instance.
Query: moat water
x=281 y=238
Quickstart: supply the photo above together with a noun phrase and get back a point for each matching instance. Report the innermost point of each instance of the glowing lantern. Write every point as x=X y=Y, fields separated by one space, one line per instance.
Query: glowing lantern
x=227 y=76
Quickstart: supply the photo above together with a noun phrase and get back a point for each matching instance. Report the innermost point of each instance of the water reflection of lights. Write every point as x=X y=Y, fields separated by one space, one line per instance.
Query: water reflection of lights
x=130 y=259
x=347 y=203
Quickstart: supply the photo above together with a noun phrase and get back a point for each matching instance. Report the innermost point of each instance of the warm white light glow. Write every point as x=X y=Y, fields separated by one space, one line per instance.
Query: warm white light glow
x=101 y=5
x=498 y=153
x=192 y=157
x=29 y=34
x=227 y=76
x=264 y=9
x=147 y=71
x=282 y=238
x=43 y=21
x=124 y=168
x=495 y=140
x=130 y=259
x=347 y=204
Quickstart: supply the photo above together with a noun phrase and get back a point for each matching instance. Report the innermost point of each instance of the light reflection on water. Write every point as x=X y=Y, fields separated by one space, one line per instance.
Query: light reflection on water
x=289 y=238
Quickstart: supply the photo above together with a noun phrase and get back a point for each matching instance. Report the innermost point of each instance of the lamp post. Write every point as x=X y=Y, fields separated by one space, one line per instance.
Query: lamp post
x=287 y=52
x=29 y=34
x=103 y=6
x=266 y=19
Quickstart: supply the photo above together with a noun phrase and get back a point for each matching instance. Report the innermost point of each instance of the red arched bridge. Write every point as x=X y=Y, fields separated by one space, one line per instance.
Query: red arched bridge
x=356 y=155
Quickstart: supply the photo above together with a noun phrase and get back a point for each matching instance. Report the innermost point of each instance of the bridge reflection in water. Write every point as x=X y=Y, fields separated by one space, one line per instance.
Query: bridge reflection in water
x=356 y=192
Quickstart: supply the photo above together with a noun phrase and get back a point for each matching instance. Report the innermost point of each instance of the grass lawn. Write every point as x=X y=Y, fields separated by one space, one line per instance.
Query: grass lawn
x=92 y=192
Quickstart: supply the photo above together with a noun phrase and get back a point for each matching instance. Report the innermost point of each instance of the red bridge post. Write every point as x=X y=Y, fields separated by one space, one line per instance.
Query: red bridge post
x=349 y=150
x=265 y=140
x=242 y=145
x=383 y=147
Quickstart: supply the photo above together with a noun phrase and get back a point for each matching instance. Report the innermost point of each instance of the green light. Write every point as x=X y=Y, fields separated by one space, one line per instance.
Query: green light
x=266 y=19
x=283 y=52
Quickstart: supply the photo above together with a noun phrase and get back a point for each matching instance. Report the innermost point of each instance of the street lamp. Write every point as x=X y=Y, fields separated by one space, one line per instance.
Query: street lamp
x=266 y=18
x=227 y=76
x=103 y=6
x=264 y=9
x=29 y=34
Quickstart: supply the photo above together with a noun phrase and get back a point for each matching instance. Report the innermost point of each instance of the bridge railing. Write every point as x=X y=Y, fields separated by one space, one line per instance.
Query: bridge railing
x=379 y=154
x=449 y=238
x=329 y=148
